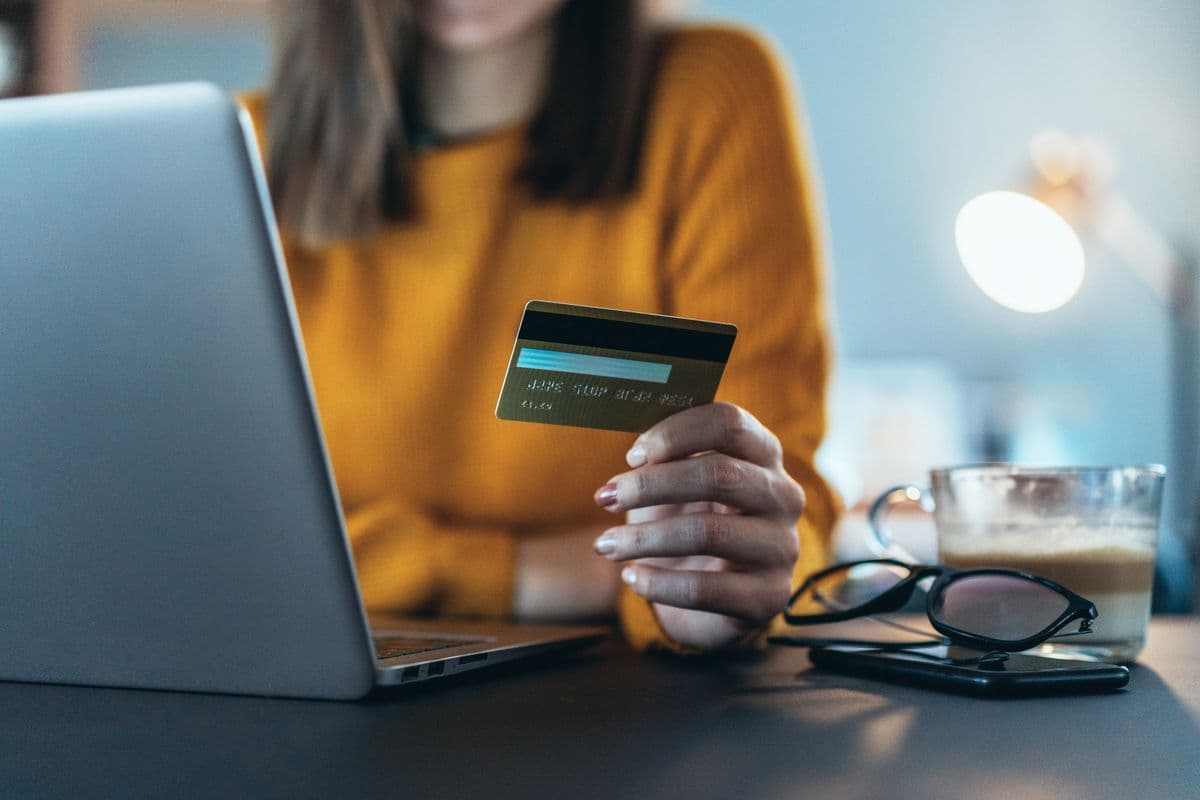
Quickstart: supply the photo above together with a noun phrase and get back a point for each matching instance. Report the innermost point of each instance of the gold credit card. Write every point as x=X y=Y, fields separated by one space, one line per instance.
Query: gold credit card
x=604 y=368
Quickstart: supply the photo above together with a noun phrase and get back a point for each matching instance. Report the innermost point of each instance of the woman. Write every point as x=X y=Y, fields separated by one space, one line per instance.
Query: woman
x=437 y=164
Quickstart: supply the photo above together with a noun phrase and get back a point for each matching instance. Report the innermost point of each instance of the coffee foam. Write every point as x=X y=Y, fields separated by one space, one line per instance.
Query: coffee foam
x=1060 y=541
x=1019 y=548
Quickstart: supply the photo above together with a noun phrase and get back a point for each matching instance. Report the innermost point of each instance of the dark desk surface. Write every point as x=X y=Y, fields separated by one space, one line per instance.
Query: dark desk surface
x=613 y=724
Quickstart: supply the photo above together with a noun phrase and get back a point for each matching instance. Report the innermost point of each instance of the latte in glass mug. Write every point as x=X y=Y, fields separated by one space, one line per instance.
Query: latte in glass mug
x=1091 y=529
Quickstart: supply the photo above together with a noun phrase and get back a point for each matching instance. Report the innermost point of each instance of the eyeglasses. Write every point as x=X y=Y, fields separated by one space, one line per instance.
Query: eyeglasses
x=984 y=609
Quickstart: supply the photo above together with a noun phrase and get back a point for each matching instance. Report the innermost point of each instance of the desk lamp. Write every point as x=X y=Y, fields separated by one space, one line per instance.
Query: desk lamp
x=1024 y=251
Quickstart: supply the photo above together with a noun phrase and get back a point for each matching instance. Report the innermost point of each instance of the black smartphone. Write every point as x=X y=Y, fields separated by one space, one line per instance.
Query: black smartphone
x=1001 y=675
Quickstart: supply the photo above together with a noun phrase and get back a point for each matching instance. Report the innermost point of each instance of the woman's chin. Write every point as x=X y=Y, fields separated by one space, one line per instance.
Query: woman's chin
x=476 y=27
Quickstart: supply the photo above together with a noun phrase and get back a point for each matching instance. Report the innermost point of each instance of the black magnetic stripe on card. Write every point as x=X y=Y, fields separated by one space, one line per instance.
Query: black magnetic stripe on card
x=629 y=336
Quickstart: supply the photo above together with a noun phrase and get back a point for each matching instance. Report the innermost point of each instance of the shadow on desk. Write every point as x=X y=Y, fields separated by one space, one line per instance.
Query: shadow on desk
x=490 y=678
x=895 y=741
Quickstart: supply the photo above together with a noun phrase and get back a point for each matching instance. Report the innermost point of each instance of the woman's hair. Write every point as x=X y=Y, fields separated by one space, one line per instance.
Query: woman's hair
x=339 y=159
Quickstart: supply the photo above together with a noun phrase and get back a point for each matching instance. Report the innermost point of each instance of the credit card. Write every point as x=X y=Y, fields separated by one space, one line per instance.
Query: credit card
x=603 y=368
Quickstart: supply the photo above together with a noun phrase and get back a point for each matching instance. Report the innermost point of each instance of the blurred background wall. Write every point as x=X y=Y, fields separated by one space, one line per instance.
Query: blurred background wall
x=914 y=107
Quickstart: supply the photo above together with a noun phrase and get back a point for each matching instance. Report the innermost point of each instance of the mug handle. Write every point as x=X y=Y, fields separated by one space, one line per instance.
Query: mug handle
x=880 y=541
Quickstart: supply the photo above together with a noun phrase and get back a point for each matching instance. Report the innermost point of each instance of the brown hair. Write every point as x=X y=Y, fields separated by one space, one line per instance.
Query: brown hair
x=338 y=153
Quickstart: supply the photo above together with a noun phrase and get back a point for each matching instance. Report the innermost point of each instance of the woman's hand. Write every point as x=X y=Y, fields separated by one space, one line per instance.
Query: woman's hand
x=711 y=522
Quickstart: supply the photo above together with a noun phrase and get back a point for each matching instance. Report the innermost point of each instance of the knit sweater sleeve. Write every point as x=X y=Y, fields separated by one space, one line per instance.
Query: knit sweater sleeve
x=742 y=243
x=408 y=561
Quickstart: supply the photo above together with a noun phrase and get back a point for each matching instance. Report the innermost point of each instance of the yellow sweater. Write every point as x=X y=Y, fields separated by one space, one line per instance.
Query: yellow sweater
x=408 y=334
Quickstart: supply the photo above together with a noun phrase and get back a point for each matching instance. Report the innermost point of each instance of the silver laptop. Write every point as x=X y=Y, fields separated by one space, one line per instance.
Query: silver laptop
x=168 y=518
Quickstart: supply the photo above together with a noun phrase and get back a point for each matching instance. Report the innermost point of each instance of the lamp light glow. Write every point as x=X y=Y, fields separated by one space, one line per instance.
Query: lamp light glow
x=1019 y=251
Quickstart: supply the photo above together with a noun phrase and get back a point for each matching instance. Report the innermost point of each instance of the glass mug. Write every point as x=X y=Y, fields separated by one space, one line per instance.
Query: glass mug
x=1091 y=529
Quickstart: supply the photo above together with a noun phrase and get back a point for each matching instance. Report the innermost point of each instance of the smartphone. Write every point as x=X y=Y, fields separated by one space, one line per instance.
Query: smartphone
x=1017 y=675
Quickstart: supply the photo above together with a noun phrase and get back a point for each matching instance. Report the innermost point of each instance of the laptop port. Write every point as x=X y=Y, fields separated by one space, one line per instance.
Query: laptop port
x=436 y=668
x=473 y=659
x=410 y=674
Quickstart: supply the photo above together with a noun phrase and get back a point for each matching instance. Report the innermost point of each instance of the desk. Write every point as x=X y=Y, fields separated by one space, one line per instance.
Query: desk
x=614 y=724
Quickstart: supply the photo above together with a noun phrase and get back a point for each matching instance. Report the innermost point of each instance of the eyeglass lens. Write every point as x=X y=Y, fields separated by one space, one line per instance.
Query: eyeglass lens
x=849 y=587
x=1003 y=607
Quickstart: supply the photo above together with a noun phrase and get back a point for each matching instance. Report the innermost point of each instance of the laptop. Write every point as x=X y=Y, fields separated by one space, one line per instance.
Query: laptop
x=168 y=517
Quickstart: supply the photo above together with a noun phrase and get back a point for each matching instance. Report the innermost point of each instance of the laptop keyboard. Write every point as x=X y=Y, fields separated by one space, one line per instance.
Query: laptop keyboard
x=393 y=646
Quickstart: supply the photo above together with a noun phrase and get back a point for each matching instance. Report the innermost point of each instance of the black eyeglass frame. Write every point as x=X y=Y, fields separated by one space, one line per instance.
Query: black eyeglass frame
x=893 y=599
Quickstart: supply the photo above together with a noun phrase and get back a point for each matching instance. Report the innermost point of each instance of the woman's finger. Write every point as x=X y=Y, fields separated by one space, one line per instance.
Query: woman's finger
x=742 y=539
x=753 y=597
x=723 y=427
x=713 y=477
x=650 y=513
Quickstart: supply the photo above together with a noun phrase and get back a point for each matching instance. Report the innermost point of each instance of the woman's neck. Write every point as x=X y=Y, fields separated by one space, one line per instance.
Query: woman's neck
x=462 y=94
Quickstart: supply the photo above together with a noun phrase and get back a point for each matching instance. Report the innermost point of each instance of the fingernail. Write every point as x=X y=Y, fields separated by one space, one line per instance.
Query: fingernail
x=606 y=495
x=636 y=456
x=629 y=575
x=605 y=545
